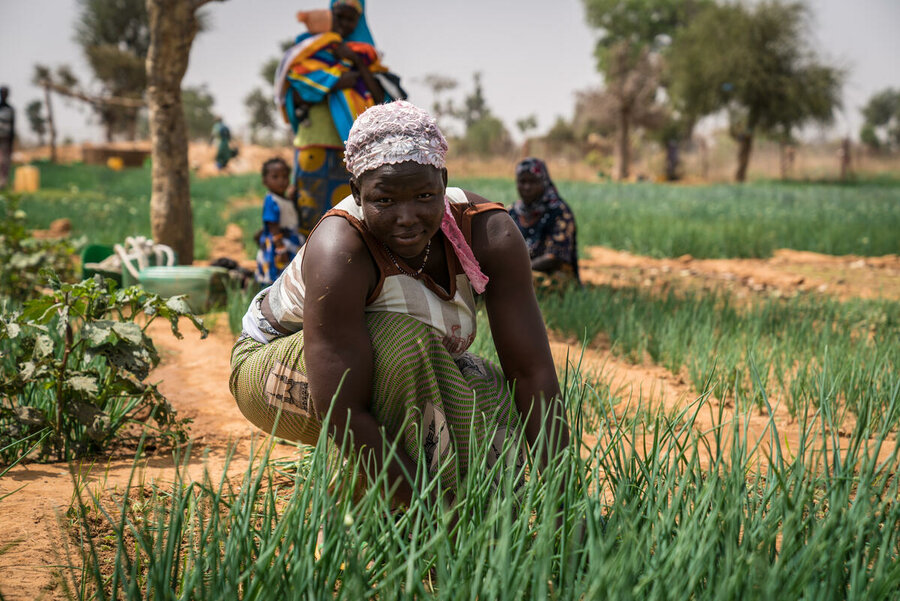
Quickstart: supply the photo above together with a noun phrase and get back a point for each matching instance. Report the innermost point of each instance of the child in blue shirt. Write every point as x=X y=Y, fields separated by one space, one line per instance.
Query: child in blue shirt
x=279 y=240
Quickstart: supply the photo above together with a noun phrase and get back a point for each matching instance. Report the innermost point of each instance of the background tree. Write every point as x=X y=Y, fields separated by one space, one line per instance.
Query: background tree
x=64 y=82
x=261 y=113
x=485 y=134
x=442 y=109
x=114 y=37
x=198 y=111
x=36 y=119
x=173 y=24
x=634 y=36
x=475 y=106
x=881 y=128
x=41 y=78
x=525 y=125
x=562 y=133
x=259 y=102
x=629 y=99
x=755 y=63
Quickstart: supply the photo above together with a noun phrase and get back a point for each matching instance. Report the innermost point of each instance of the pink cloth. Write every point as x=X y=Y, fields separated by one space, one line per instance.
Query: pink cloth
x=463 y=251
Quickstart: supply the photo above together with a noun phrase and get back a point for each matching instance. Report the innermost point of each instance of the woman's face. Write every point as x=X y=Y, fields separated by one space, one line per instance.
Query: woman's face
x=530 y=187
x=402 y=204
x=343 y=20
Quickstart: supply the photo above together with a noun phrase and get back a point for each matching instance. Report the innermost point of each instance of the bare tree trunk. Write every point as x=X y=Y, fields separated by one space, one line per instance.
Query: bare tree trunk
x=624 y=146
x=782 y=163
x=787 y=160
x=51 y=125
x=844 y=155
x=745 y=147
x=173 y=25
x=131 y=127
x=704 y=158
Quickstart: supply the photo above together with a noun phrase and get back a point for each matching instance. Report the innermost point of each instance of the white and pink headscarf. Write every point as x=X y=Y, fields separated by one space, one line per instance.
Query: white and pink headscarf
x=398 y=132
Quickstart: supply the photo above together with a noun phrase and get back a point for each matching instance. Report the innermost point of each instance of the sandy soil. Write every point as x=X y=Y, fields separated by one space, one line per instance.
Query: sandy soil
x=194 y=375
x=787 y=273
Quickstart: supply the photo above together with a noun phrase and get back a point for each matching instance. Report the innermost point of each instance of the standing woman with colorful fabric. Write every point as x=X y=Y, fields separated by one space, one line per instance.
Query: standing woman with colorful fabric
x=546 y=223
x=323 y=83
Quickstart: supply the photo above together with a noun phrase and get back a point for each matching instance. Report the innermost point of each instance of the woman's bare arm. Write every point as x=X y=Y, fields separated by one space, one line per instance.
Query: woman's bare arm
x=343 y=51
x=518 y=326
x=339 y=274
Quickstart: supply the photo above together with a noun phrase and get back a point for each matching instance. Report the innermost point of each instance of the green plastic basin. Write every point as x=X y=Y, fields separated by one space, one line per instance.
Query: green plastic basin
x=202 y=286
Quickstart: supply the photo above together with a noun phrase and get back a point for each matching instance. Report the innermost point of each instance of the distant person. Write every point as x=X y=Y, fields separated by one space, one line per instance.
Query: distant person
x=221 y=137
x=279 y=240
x=7 y=135
x=546 y=223
x=324 y=82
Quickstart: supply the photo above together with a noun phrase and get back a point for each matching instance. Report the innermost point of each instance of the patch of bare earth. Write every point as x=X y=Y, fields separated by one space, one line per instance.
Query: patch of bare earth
x=194 y=374
x=786 y=273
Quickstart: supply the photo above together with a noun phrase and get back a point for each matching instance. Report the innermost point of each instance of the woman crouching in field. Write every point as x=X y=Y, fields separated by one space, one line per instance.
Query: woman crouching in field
x=384 y=292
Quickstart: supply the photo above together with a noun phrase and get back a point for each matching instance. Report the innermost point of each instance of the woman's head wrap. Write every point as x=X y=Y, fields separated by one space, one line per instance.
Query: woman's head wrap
x=395 y=132
x=400 y=132
x=538 y=168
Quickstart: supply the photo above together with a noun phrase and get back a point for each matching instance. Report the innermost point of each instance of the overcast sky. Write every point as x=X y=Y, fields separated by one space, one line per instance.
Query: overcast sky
x=533 y=54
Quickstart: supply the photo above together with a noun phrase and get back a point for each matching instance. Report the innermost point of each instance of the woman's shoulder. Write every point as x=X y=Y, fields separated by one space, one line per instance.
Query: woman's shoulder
x=461 y=196
x=489 y=223
x=471 y=204
x=334 y=244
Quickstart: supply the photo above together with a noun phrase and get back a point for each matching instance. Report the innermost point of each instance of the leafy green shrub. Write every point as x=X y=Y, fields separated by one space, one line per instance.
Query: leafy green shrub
x=74 y=364
x=22 y=257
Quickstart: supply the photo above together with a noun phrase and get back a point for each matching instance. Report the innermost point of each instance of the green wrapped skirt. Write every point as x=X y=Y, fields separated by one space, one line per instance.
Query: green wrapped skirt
x=420 y=394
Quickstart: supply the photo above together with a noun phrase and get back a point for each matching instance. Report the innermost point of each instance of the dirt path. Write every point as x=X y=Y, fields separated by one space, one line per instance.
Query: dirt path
x=194 y=375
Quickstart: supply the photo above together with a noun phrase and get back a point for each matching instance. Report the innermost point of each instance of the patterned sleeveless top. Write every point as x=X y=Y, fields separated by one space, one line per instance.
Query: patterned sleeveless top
x=451 y=312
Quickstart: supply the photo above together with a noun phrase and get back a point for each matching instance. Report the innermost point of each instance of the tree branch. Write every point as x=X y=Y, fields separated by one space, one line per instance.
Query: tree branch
x=128 y=103
x=198 y=3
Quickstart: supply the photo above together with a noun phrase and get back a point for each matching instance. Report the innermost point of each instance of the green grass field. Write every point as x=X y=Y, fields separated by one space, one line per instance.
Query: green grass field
x=656 y=220
x=658 y=508
x=727 y=220
x=790 y=346
x=107 y=206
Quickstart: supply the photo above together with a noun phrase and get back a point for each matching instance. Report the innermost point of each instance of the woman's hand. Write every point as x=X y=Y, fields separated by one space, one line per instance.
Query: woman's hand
x=546 y=263
x=344 y=52
x=346 y=80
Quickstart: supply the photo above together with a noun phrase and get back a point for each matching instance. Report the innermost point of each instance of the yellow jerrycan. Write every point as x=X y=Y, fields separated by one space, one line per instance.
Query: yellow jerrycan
x=28 y=179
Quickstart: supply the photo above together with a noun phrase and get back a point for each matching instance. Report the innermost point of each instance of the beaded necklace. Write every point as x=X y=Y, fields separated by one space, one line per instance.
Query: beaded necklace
x=418 y=271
